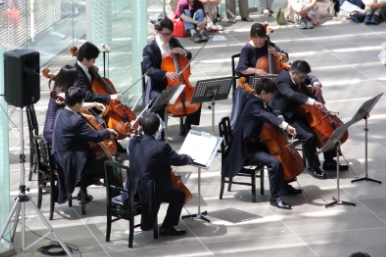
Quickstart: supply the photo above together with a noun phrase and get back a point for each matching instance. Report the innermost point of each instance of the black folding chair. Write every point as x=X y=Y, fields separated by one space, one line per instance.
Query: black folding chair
x=47 y=173
x=116 y=206
x=248 y=170
x=33 y=129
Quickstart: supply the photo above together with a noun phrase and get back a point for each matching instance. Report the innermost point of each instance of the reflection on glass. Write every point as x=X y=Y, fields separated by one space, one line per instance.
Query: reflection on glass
x=49 y=27
x=4 y=160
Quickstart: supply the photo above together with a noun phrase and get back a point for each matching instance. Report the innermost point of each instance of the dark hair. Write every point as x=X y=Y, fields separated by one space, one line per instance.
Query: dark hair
x=257 y=29
x=66 y=78
x=88 y=51
x=74 y=95
x=359 y=254
x=149 y=123
x=266 y=84
x=300 y=66
x=163 y=22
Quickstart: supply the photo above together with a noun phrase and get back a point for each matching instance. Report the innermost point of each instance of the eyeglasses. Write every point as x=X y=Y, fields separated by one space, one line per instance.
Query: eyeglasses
x=166 y=34
x=301 y=77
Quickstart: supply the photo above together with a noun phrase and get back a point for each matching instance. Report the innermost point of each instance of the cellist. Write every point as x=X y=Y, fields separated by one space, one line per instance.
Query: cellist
x=87 y=55
x=257 y=47
x=153 y=54
x=288 y=99
x=86 y=58
x=247 y=146
x=71 y=149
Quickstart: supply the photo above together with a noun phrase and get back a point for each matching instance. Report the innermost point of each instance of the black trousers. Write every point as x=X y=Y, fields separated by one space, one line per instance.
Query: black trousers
x=175 y=198
x=305 y=134
x=256 y=156
x=93 y=169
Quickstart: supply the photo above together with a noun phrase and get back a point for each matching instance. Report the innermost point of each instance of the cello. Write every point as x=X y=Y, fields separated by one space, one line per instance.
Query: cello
x=102 y=151
x=182 y=106
x=322 y=122
x=117 y=115
x=271 y=64
x=278 y=144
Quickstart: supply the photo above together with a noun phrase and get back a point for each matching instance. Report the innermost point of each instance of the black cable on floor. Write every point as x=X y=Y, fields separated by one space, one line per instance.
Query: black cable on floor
x=52 y=250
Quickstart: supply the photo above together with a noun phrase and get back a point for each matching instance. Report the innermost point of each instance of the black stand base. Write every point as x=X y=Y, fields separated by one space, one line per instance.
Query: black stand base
x=366 y=178
x=339 y=202
x=198 y=215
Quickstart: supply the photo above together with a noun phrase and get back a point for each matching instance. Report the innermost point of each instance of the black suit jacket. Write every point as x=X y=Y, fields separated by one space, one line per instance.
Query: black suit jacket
x=248 y=125
x=150 y=162
x=288 y=99
x=152 y=60
x=71 y=150
x=85 y=84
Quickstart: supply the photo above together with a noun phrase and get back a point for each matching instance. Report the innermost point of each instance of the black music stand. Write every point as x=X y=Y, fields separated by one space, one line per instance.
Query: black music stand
x=191 y=146
x=167 y=96
x=211 y=90
x=334 y=140
x=363 y=113
x=253 y=79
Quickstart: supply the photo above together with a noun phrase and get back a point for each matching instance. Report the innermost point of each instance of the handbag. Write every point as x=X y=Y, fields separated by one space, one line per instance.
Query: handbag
x=179 y=28
x=177 y=183
x=325 y=9
x=279 y=15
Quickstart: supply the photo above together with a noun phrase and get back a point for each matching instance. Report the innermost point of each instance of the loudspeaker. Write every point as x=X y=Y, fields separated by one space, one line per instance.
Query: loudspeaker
x=21 y=77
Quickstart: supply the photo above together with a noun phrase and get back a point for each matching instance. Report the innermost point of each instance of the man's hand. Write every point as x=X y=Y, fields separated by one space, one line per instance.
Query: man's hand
x=178 y=50
x=319 y=105
x=115 y=97
x=291 y=130
x=113 y=133
x=172 y=75
x=95 y=68
x=100 y=106
x=316 y=90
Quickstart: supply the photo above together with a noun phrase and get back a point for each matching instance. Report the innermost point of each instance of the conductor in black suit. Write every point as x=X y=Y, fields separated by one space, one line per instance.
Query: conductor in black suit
x=153 y=54
x=150 y=165
x=70 y=147
x=288 y=99
x=247 y=147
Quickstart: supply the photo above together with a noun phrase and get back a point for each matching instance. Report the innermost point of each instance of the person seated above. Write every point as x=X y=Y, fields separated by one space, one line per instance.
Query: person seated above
x=373 y=10
x=210 y=7
x=192 y=13
x=305 y=12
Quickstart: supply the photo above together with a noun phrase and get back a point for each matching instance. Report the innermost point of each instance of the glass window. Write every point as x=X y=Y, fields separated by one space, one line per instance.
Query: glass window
x=4 y=160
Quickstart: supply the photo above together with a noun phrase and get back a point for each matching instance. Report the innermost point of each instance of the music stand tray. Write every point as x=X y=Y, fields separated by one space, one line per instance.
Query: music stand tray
x=334 y=140
x=167 y=96
x=254 y=79
x=202 y=148
x=211 y=90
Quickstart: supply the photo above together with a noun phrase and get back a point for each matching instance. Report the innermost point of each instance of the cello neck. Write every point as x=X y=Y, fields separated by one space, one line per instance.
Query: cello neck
x=108 y=88
x=271 y=65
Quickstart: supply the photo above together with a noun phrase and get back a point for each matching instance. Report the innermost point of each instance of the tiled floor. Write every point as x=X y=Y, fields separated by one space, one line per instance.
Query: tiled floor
x=344 y=57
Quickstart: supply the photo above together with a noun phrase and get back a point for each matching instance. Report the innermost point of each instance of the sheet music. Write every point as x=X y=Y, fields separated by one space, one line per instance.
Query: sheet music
x=199 y=147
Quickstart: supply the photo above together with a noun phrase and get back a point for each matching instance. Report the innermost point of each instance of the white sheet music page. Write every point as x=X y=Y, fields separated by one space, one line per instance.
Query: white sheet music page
x=199 y=147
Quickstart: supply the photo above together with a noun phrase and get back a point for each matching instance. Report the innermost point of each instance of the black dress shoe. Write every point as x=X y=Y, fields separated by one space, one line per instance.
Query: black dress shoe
x=316 y=172
x=293 y=191
x=278 y=202
x=171 y=231
x=331 y=166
